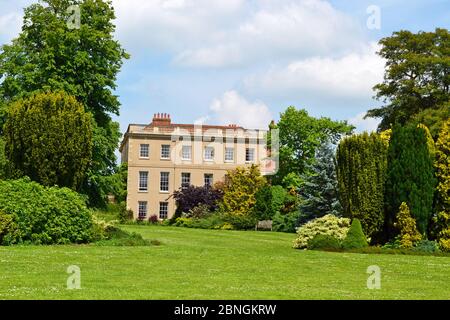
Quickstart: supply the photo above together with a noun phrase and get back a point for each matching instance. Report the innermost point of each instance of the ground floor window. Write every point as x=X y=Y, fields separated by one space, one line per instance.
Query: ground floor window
x=163 y=210
x=142 y=209
x=208 y=179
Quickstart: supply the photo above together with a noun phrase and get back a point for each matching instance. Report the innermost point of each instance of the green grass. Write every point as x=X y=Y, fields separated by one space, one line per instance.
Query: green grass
x=210 y=264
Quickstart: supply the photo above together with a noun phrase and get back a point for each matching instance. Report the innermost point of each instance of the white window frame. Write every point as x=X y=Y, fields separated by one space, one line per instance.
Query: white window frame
x=163 y=215
x=247 y=153
x=227 y=154
x=210 y=176
x=141 y=180
x=162 y=183
x=144 y=206
x=186 y=155
x=185 y=185
x=206 y=154
x=141 y=150
x=163 y=153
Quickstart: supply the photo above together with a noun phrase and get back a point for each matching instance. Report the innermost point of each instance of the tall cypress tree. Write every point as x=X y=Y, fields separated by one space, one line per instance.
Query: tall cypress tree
x=410 y=176
x=319 y=189
x=361 y=170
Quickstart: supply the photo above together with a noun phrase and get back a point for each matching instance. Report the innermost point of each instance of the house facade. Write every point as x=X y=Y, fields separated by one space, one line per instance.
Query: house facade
x=163 y=157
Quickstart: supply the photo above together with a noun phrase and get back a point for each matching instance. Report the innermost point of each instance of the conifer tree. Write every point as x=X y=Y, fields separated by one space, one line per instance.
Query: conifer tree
x=410 y=176
x=319 y=190
x=361 y=171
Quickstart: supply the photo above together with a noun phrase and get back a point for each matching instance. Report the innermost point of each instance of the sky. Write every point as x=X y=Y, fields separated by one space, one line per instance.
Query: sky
x=245 y=61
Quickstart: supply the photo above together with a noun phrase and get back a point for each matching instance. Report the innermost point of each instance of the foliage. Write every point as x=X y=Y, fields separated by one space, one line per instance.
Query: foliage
x=442 y=165
x=269 y=201
x=153 y=219
x=361 y=171
x=443 y=223
x=83 y=62
x=407 y=226
x=319 y=188
x=240 y=222
x=285 y=222
x=416 y=76
x=410 y=176
x=199 y=212
x=434 y=119
x=192 y=196
x=324 y=242
x=8 y=228
x=4 y=163
x=355 y=238
x=47 y=55
x=299 y=136
x=45 y=215
x=239 y=191
x=48 y=138
x=118 y=237
x=426 y=246
x=328 y=225
x=385 y=135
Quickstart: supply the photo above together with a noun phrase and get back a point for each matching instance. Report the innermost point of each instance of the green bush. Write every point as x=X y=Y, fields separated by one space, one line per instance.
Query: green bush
x=328 y=224
x=355 y=238
x=426 y=246
x=269 y=201
x=8 y=228
x=43 y=215
x=324 y=242
x=240 y=222
x=285 y=222
x=119 y=237
x=200 y=211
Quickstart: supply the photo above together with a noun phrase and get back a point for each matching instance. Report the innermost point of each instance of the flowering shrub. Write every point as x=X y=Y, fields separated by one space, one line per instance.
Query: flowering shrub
x=326 y=225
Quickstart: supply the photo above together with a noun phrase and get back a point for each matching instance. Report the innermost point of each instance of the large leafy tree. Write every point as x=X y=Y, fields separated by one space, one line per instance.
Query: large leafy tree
x=410 y=175
x=84 y=62
x=48 y=138
x=319 y=190
x=416 y=77
x=361 y=171
x=299 y=136
x=239 y=191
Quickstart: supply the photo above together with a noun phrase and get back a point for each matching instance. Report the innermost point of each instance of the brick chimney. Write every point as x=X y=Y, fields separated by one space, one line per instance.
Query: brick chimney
x=161 y=120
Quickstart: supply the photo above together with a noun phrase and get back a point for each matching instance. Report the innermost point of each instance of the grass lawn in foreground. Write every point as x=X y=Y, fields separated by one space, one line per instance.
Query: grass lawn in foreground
x=210 y=264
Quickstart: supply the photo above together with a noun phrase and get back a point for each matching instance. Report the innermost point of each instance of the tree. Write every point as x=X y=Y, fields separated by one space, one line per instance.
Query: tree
x=416 y=76
x=442 y=166
x=49 y=139
x=410 y=176
x=192 y=196
x=406 y=225
x=269 y=201
x=84 y=62
x=300 y=135
x=355 y=238
x=361 y=172
x=319 y=190
x=239 y=191
x=433 y=119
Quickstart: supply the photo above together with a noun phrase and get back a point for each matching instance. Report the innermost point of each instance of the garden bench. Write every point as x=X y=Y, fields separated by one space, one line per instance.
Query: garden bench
x=264 y=225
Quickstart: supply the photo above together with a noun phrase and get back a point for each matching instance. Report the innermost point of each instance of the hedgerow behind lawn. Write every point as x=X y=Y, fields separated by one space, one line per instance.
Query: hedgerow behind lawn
x=215 y=264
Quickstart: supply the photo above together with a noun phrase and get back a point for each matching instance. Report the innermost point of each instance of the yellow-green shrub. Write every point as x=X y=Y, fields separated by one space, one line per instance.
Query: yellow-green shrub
x=326 y=225
x=407 y=226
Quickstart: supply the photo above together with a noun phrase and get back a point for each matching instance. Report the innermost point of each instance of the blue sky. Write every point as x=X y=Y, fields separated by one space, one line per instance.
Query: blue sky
x=245 y=61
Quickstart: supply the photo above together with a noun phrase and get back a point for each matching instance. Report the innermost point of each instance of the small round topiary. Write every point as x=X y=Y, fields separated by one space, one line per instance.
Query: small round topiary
x=324 y=242
x=355 y=238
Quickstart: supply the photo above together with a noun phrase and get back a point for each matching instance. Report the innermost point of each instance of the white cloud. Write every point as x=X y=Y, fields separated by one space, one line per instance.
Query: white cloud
x=232 y=108
x=350 y=76
x=222 y=33
x=361 y=124
x=10 y=24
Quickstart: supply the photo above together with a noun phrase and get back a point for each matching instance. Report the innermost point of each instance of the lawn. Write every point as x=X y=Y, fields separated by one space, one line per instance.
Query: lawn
x=209 y=264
